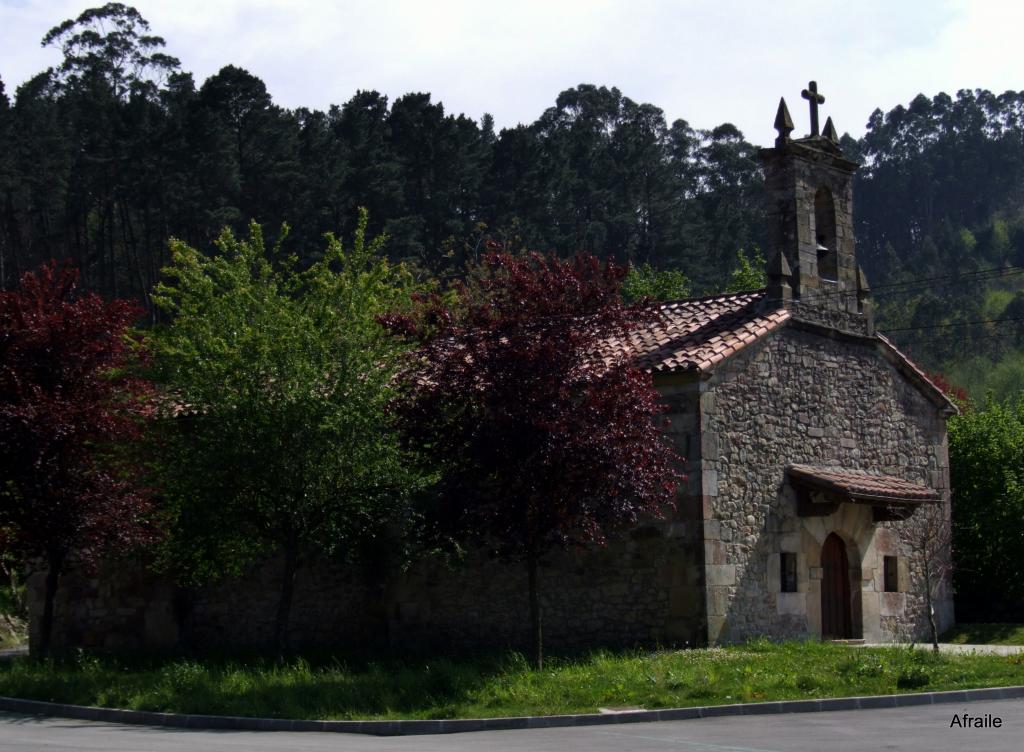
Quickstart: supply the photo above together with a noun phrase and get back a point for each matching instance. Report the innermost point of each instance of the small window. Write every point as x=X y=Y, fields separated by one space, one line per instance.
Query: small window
x=787 y=572
x=892 y=577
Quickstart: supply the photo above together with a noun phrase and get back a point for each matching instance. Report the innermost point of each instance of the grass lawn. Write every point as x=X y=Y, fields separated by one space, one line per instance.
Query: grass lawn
x=985 y=634
x=499 y=686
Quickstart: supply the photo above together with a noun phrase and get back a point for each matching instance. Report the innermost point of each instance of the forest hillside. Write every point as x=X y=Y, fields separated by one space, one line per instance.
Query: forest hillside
x=105 y=157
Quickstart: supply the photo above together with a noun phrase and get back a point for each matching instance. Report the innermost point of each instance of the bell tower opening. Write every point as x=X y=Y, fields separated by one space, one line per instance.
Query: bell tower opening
x=825 y=234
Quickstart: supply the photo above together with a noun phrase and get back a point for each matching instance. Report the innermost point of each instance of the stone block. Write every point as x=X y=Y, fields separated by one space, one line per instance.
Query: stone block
x=892 y=604
x=815 y=573
x=885 y=541
x=773 y=567
x=793 y=604
x=789 y=542
x=709 y=445
x=718 y=629
x=714 y=552
x=720 y=574
x=710 y=482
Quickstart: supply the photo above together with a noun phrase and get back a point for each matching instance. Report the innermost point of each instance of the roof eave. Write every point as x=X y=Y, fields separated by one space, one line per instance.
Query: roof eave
x=917 y=376
x=858 y=497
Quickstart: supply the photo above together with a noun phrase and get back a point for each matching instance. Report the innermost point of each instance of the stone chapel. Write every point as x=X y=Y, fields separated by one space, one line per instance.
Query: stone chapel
x=810 y=442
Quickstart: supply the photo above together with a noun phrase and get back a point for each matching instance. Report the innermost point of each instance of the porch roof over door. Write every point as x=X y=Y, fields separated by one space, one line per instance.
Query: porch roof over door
x=824 y=488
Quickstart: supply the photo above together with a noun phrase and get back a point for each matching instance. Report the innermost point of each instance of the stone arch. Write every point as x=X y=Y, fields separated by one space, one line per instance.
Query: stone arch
x=825 y=234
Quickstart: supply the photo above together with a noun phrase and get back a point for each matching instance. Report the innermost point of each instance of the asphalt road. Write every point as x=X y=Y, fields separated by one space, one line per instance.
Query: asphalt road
x=923 y=728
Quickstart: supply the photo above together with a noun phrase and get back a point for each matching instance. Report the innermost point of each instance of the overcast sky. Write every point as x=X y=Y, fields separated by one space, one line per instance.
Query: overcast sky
x=707 y=61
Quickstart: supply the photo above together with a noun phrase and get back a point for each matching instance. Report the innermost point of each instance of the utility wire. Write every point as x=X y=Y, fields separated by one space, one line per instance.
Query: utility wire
x=909 y=343
x=950 y=326
x=978 y=275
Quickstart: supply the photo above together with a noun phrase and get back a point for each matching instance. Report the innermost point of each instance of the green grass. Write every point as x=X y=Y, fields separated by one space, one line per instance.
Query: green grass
x=985 y=634
x=499 y=685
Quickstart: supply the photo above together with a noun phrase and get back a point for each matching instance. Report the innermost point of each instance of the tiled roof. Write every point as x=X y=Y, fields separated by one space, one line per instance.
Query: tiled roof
x=858 y=485
x=694 y=335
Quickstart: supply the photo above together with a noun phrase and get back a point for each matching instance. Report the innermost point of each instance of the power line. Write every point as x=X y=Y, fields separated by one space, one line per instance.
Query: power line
x=909 y=343
x=950 y=326
x=978 y=275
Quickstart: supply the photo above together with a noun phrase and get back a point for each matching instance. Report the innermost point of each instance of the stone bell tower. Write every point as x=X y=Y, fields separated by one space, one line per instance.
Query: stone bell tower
x=812 y=267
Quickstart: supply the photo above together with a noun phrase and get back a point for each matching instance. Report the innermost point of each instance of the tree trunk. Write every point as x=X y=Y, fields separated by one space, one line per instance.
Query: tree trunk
x=931 y=610
x=54 y=563
x=284 y=605
x=535 y=615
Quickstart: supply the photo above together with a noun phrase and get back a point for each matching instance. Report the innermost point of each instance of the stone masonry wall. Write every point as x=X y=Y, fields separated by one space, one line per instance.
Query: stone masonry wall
x=800 y=397
x=119 y=606
x=123 y=606
x=641 y=590
x=645 y=588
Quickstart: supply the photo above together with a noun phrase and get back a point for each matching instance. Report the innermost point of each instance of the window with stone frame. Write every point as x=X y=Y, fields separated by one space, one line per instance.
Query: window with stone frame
x=891 y=574
x=787 y=572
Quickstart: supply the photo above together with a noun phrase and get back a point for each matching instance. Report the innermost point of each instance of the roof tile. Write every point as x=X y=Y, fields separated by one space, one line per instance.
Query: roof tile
x=860 y=484
x=694 y=335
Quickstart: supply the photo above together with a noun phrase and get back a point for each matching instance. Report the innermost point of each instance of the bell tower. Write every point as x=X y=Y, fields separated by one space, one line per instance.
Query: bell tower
x=812 y=267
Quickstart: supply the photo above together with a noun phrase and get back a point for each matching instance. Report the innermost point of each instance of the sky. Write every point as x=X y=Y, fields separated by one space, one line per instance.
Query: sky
x=706 y=61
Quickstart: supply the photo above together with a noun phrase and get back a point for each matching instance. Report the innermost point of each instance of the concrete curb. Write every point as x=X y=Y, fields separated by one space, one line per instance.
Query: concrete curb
x=397 y=728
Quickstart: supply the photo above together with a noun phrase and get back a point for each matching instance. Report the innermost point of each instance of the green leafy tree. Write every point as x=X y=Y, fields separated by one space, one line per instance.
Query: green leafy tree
x=748 y=274
x=279 y=439
x=645 y=281
x=256 y=140
x=986 y=454
x=111 y=43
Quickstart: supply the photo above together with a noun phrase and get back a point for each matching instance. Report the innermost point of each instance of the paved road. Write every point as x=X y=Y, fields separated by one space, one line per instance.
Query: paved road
x=915 y=729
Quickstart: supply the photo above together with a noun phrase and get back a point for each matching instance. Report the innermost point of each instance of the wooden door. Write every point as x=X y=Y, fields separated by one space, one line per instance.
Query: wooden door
x=836 y=623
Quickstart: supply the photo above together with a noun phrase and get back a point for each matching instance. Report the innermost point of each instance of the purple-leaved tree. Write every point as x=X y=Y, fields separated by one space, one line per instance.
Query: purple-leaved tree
x=544 y=436
x=67 y=401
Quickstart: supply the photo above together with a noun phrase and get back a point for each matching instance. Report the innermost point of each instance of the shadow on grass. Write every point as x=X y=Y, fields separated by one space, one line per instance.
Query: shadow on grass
x=314 y=685
x=985 y=634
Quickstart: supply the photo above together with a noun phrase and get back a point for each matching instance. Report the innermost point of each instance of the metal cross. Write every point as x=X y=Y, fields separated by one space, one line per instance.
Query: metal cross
x=811 y=94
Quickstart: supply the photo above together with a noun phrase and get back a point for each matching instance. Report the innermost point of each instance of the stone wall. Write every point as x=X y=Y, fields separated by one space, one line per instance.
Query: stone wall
x=124 y=606
x=800 y=397
x=641 y=590
x=119 y=606
x=644 y=588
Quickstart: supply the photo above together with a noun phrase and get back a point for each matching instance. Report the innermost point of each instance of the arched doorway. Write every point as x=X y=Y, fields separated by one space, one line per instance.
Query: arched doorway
x=836 y=621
